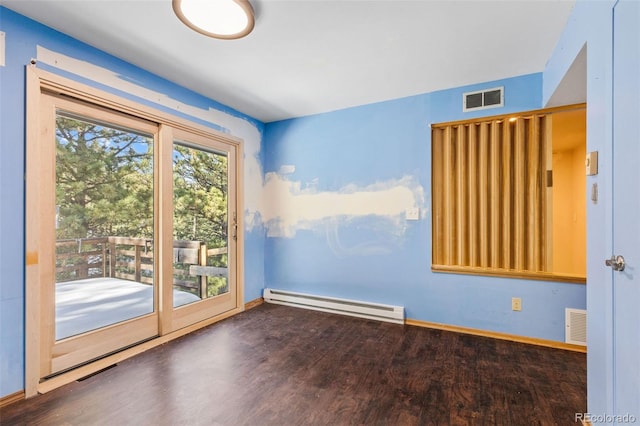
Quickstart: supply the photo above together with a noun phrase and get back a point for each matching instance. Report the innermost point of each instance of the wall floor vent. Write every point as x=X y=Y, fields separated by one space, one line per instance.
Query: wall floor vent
x=483 y=99
x=575 y=326
x=375 y=311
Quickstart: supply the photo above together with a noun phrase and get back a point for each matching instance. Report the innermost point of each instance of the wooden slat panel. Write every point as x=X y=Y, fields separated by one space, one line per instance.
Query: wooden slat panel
x=533 y=196
x=507 y=189
x=474 y=258
x=462 y=196
x=447 y=198
x=489 y=194
x=483 y=180
x=542 y=192
x=453 y=200
x=519 y=175
x=436 y=196
x=495 y=204
x=547 y=207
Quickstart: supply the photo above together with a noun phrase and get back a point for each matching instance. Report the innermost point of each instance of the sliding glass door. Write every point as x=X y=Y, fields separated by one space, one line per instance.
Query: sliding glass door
x=131 y=231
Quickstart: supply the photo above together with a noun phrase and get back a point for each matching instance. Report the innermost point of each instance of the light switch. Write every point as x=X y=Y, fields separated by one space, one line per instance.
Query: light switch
x=591 y=163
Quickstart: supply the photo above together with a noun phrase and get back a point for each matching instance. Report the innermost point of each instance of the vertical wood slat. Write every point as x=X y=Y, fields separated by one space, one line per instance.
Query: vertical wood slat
x=462 y=198
x=547 y=208
x=473 y=196
x=453 y=200
x=483 y=180
x=436 y=194
x=519 y=195
x=533 y=196
x=495 y=196
x=447 y=189
x=507 y=189
x=541 y=142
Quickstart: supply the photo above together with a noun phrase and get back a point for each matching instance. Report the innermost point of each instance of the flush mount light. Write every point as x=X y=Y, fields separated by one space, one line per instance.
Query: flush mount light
x=224 y=19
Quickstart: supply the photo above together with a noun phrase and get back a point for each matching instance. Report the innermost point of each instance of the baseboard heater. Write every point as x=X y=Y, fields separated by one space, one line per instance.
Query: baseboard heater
x=375 y=311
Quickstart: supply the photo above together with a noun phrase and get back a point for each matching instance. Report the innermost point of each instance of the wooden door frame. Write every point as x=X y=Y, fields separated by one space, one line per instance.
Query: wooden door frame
x=59 y=355
x=37 y=81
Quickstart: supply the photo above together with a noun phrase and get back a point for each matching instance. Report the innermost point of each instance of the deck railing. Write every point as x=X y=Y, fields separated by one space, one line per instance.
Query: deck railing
x=133 y=259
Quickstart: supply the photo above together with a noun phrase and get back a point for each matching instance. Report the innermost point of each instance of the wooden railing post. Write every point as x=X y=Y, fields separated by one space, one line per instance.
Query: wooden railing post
x=137 y=262
x=83 y=264
x=112 y=258
x=104 y=257
x=203 y=278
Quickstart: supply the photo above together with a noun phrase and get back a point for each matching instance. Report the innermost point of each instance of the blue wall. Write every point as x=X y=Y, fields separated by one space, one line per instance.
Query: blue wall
x=23 y=36
x=344 y=158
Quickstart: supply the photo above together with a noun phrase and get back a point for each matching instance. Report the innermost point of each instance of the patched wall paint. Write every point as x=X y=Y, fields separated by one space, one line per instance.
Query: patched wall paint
x=294 y=206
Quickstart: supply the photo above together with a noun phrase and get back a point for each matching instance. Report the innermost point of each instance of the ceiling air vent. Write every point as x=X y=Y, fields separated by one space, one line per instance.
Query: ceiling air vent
x=483 y=99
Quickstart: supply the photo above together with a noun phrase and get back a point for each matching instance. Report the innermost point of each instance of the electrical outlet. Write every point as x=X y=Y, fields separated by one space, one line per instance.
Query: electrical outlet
x=516 y=304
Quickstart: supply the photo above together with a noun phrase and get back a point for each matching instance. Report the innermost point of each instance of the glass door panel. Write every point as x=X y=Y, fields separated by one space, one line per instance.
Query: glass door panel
x=104 y=268
x=200 y=224
x=97 y=182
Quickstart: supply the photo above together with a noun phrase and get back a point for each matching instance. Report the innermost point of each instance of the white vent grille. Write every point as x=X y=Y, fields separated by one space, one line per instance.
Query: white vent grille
x=353 y=308
x=575 y=326
x=483 y=99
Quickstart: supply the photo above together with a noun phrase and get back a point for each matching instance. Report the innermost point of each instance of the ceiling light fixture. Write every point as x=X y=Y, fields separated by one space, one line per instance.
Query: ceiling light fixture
x=223 y=19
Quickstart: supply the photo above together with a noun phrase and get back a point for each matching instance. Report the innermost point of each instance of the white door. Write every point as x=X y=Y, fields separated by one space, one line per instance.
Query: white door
x=626 y=205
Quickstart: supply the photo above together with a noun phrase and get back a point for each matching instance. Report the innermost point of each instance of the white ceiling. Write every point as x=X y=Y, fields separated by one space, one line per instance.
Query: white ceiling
x=311 y=56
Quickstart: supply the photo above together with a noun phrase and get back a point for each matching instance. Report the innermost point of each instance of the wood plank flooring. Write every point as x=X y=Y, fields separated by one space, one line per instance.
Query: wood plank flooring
x=275 y=365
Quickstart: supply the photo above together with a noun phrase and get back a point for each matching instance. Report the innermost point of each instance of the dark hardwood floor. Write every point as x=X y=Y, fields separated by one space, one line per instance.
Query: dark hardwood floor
x=275 y=365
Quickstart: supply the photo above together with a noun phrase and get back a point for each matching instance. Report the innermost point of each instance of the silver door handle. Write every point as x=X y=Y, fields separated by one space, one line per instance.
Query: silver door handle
x=616 y=263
